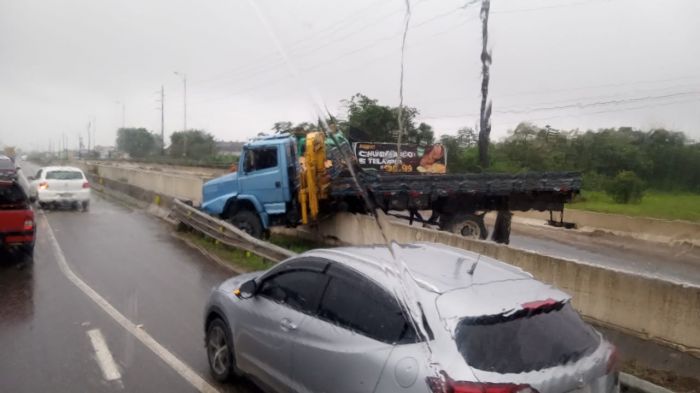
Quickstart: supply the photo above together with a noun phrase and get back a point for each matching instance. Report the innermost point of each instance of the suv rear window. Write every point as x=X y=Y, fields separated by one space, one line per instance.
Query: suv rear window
x=64 y=175
x=525 y=341
x=12 y=197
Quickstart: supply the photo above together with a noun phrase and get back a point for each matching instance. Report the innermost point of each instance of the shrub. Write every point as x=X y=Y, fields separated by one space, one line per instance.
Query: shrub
x=626 y=187
x=594 y=181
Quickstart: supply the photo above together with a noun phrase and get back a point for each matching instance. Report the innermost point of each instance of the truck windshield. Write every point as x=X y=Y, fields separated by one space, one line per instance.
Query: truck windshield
x=261 y=158
x=525 y=341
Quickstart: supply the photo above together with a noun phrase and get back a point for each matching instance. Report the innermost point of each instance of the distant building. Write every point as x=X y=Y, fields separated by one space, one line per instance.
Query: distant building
x=229 y=148
x=106 y=152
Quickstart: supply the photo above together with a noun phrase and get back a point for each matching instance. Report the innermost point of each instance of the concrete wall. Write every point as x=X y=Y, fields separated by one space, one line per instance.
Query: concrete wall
x=647 y=307
x=666 y=231
x=181 y=186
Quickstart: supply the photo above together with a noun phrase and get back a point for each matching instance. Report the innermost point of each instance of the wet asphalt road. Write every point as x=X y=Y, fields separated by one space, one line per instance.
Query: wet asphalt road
x=674 y=263
x=133 y=262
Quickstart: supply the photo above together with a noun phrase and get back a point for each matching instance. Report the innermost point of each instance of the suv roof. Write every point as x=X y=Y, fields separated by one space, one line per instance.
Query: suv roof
x=466 y=283
x=437 y=268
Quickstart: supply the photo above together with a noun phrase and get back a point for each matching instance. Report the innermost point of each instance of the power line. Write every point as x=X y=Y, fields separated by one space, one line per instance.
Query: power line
x=577 y=105
x=334 y=28
x=575 y=4
x=634 y=108
x=339 y=57
x=310 y=51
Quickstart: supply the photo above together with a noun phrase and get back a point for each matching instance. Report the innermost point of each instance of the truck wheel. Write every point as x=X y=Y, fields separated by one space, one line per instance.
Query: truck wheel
x=248 y=222
x=467 y=225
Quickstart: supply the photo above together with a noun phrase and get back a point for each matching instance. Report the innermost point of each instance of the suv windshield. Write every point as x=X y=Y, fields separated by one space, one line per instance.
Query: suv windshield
x=64 y=175
x=6 y=163
x=526 y=340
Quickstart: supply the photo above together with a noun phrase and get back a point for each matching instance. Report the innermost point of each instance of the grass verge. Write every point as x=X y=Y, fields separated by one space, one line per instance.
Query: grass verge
x=667 y=379
x=683 y=206
x=242 y=260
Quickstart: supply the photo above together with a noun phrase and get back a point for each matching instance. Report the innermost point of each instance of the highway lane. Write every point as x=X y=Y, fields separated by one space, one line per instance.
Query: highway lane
x=131 y=260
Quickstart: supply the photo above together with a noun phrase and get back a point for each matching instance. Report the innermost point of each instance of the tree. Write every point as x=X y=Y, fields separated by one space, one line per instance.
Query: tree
x=369 y=120
x=193 y=144
x=282 y=126
x=137 y=142
x=467 y=137
x=626 y=187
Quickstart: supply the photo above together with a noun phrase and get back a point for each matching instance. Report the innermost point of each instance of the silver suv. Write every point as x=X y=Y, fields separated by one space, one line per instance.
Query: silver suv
x=327 y=321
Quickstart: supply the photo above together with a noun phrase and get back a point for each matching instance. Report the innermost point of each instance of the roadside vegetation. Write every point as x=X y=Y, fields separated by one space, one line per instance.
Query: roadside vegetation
x=670 y=206
x=244 y=260
x=653 y=173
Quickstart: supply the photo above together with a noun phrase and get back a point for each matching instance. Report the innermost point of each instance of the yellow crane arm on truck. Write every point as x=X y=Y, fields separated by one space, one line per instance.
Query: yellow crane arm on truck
x=314 y=181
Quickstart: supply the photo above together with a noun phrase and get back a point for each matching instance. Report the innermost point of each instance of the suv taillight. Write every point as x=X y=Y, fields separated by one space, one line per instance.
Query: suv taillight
x=28 y=225
x=439 y=385
x=86 y=185
x=43 y=185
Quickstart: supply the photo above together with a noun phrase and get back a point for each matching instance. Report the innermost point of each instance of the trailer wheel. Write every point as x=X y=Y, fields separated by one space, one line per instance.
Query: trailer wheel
x=248 y=222
x=466 y=224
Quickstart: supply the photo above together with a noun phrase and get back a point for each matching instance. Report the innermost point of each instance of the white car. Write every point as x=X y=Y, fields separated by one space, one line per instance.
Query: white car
x=61 y=185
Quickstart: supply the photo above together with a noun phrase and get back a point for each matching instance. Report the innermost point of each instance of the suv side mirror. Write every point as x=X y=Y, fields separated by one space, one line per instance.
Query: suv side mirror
x=247 y=289
x=32 y=199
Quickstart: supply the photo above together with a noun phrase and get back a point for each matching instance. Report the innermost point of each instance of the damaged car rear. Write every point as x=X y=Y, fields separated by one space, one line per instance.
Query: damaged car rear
x=329 y=320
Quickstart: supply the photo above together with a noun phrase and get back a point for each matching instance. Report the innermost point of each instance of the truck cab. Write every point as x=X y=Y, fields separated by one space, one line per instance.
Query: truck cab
x=262 y=192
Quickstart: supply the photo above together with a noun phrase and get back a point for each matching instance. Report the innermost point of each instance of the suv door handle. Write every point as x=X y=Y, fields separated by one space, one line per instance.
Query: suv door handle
x=287 y=325
x=278 y=184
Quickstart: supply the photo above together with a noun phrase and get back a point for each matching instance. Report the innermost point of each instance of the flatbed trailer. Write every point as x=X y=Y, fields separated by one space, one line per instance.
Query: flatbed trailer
x=272 y=187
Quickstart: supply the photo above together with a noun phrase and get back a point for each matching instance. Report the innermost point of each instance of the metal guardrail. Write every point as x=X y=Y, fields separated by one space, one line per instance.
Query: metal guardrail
x=226 y=233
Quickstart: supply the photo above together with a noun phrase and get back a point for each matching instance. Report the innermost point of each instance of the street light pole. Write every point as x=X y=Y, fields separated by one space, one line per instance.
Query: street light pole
x=184 y=88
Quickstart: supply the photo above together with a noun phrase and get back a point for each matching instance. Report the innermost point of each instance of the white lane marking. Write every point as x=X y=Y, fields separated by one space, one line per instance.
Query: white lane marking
x=110 y=371
x=168 y=357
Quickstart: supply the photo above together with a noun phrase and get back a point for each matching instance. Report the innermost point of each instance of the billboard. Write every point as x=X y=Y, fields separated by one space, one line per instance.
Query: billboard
x=414 y=158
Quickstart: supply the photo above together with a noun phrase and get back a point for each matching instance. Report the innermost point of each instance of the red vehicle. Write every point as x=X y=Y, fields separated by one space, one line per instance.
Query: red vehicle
x=8 y=171
x=17 y=229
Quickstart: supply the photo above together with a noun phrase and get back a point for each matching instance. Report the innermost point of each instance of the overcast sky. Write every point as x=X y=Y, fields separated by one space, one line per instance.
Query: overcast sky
x=567 y=63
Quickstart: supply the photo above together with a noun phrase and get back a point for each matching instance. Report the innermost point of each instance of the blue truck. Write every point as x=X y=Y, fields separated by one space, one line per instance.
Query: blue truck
x=279 y=181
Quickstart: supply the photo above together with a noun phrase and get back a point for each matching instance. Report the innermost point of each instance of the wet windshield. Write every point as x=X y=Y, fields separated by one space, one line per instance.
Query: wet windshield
x=63 y=175
x=425 y=168
x=526 y=340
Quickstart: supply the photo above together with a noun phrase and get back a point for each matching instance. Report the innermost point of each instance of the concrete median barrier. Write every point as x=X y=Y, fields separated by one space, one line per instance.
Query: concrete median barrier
x=646 y=307
x=164 y=184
